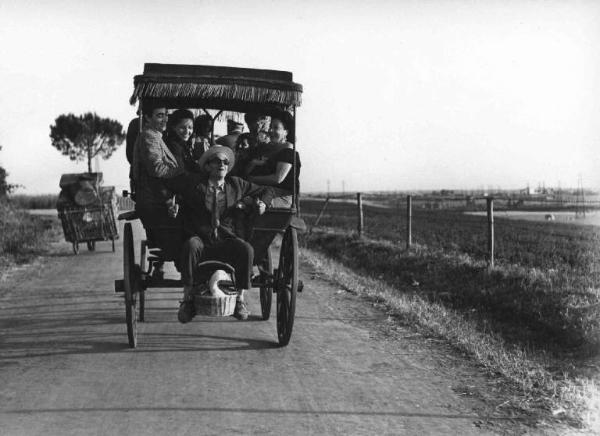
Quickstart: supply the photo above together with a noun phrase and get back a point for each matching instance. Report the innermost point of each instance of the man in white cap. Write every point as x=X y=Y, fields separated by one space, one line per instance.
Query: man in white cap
x=211 y=204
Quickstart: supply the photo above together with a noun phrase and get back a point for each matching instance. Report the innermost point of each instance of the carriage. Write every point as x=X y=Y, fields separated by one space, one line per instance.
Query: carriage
x=234 y=91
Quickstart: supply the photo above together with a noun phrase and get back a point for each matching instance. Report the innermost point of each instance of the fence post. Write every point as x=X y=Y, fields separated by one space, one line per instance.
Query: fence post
x=408 y=221
x=490 y=217
x=321 y=212
x=360 y=213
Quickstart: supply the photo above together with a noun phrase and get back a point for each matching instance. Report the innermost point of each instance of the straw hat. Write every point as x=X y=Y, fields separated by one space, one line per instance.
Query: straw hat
x=215 y=150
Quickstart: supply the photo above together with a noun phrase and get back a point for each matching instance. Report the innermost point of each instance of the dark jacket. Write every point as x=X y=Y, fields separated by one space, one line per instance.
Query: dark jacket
x=197 y=218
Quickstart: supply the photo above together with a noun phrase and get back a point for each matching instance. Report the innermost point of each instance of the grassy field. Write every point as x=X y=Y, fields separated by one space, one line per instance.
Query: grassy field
x=547 y=275
x=534 y=244
x=540 y=303
x=43 y=201
x=23 y=236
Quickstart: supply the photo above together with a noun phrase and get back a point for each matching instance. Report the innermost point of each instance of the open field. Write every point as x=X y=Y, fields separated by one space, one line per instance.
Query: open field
x=539 y=244
x=23 y=236
x=543 y=291
x=591 y=218
x=540 y=304
x=42 y=201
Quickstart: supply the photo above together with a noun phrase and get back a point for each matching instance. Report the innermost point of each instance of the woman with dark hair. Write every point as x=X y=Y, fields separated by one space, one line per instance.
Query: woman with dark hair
x=180 y=141
x=276 y=167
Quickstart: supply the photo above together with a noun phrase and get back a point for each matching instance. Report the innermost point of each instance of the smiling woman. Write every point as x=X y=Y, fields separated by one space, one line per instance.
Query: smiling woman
x=180 y=141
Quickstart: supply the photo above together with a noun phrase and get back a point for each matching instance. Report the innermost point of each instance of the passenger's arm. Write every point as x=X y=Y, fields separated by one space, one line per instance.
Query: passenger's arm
x=253 y=164
x=281 y=172
x=254 y=191
x=152 y=158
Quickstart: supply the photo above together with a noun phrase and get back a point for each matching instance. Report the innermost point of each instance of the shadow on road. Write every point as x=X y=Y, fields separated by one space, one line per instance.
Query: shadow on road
x=311 y=413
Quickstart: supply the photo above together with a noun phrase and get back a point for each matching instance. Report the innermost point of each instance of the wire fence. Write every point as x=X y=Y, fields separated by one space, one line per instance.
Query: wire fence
x=477 y=228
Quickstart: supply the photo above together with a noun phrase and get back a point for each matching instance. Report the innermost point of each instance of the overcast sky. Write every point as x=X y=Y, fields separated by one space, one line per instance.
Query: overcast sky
x=398 y=95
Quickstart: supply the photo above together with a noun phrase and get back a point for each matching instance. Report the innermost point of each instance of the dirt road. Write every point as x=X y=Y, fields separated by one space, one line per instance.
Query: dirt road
x=66 y=368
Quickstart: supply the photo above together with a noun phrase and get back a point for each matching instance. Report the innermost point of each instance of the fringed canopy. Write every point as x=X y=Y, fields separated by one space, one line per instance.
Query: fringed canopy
x=217 y=87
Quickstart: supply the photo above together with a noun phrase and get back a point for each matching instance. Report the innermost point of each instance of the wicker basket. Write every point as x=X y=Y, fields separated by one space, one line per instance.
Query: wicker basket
x=211 y=306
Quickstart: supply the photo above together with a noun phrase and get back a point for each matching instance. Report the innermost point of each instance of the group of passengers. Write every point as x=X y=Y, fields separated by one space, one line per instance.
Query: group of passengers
x=191 y=192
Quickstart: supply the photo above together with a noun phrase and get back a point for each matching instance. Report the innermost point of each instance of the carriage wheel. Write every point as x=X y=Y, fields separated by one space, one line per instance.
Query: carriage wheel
x=91 y=245
x=142 y=293
x=75 y=248
x=130 y=285
x=287 y=285
x=266 y=291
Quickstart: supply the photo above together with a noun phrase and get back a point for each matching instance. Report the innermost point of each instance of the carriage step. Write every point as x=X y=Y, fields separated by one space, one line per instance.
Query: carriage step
x=163 y=283
x=119 y=286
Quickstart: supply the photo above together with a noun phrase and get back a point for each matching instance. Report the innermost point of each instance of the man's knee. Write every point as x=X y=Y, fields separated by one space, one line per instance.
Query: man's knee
x=249 y=249
x=193 y=245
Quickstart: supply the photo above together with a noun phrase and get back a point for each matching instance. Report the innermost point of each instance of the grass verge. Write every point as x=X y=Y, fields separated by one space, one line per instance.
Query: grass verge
x=23 y=236
x=448 y=296
x=539 y=308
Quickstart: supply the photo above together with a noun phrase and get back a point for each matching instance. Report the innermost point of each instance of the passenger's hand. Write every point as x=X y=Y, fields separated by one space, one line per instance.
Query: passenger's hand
x=261 y=207
x=173 y=207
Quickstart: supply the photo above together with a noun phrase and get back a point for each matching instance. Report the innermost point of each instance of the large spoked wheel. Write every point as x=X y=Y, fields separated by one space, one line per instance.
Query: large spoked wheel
x=287 y=285
x=130 y=283
x=141 y=291
x=266 y=291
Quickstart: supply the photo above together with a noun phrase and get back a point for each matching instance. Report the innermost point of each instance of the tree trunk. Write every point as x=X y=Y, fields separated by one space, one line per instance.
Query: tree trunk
x=89 y=158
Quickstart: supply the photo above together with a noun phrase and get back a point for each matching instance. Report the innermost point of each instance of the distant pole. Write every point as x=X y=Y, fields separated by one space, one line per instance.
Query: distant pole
x=408 y=221
x=360 y=213
x=490 y=216
x=343 y=187
x=327 y=188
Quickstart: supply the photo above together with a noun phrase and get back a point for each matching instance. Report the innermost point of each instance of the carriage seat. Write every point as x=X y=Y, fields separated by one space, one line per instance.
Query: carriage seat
x=130 y=215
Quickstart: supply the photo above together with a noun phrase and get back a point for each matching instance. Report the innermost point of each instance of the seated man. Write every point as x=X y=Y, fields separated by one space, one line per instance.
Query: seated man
x=210 y=206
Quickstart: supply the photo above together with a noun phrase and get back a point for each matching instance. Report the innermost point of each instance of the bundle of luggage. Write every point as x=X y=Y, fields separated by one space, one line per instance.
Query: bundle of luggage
x=86 y=208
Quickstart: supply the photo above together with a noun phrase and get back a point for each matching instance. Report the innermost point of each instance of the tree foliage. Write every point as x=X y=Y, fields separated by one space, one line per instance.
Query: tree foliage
x=85 y=136
x=5 y=187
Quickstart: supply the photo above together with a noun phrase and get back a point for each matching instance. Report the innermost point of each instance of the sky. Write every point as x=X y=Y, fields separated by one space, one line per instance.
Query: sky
x=398 y=95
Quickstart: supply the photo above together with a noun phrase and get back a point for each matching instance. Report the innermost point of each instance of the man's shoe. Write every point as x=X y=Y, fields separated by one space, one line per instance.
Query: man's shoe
x=241 y=312
x=187 y=311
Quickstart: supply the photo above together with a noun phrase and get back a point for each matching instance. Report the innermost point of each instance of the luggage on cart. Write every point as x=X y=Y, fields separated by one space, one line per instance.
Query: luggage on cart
x=87 y=210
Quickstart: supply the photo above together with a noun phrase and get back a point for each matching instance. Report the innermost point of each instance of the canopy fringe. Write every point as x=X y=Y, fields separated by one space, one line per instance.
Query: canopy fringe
x=246 y=93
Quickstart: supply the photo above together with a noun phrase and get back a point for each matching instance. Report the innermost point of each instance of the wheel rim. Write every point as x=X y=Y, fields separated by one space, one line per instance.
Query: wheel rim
x=130 y=285
x=266 y=292
x=287 y=286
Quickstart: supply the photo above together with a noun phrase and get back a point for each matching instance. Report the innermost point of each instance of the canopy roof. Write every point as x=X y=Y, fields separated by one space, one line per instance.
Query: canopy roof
x=226 y=88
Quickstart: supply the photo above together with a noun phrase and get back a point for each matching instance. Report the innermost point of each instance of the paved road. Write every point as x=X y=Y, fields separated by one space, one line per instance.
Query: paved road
x=66 y=369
